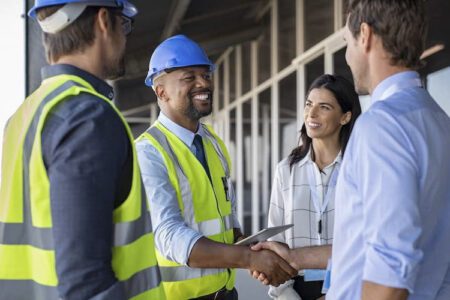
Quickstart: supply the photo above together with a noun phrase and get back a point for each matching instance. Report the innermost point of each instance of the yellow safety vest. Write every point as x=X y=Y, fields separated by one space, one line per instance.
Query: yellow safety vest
x=27 y=256
x=203 y=204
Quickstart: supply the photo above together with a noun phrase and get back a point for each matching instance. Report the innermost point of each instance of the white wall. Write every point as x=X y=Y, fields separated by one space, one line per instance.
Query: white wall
x=12 y=60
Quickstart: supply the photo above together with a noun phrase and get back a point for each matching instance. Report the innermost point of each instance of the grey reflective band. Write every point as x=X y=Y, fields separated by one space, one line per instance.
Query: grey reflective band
x=142 y=281
x=180 y=273
x=218 y=149
x=139 y=283
x=207 y=228
x=26 y=289
x=185 y=188
x=62 y=18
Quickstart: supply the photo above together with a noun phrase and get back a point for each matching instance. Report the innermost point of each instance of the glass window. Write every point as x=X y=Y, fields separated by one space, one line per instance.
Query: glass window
x=286 y=33
x=232 y=83
x=438 y=86
x=313 y=69
x=247 y=161
x=288 y=115
x=221 y=87
x=264 y=50
x=318 y=20
x=246 y=65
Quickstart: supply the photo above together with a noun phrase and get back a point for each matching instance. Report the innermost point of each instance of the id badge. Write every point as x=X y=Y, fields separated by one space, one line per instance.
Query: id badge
x=228 y=188
x=327 y=281
x=314 y=275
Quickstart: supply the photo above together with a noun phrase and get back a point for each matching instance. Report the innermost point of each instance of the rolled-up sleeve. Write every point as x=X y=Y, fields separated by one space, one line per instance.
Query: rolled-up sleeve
x=173 y=238
x=389 y=181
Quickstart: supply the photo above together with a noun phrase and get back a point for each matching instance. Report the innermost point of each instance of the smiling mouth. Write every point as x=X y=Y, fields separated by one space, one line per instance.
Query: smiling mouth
x=313 y=125
x=201 y=97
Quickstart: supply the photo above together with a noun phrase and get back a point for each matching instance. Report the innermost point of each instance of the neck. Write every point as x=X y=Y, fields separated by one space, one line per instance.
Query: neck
x=191 y=125
x=380 y=69
x=86 y=60
x=325 y=151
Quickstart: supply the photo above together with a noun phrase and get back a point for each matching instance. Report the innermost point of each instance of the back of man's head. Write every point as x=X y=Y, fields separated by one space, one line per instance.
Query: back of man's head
x=74 y=38
x=400 y=24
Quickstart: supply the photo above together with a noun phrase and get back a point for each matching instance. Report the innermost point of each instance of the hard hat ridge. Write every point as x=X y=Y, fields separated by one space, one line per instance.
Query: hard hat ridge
x=176 y=52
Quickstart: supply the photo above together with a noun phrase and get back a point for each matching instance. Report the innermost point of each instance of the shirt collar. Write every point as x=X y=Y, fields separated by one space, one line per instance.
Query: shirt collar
x=98 y=84
x=405 y=78
x=185 y=135
x=308 y=159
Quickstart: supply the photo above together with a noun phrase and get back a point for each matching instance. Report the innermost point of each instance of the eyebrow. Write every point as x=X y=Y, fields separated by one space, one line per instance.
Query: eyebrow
x=321 y=103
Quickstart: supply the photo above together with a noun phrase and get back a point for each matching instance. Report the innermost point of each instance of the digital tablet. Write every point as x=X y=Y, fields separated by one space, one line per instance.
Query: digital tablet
x=263 y=235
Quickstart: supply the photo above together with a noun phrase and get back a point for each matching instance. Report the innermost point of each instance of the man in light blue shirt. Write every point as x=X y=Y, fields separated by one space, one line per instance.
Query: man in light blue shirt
x=392 y=225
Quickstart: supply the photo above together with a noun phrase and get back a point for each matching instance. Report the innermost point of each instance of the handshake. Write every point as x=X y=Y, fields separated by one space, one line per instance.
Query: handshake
x=272 y=263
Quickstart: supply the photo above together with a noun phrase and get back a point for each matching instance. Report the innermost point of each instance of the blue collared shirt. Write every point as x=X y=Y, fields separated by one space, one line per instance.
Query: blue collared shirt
x=392 y=220
x=173 y=238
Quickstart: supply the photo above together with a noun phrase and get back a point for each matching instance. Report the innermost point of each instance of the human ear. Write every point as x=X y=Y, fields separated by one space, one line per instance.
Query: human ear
x=346 y=118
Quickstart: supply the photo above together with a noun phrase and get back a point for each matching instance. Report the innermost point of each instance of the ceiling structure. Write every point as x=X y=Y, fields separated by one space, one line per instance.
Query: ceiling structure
x=215 y=25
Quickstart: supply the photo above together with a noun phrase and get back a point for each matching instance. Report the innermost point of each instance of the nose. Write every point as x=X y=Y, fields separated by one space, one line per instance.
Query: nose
x=312 y=112
x=202 y=82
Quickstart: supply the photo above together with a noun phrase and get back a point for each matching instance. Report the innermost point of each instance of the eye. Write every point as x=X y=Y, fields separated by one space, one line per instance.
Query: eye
x=308 y=104
x=325 y=107
x=189 y=78
x=207 y=76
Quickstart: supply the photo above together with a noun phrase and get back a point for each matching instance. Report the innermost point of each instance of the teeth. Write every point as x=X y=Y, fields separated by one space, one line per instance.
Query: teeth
x=201 y=97
x=313 y=124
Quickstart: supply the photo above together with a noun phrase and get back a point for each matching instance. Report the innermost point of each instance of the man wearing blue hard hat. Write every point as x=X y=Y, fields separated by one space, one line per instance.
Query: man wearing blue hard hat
x=186 y=172
x=73 y=221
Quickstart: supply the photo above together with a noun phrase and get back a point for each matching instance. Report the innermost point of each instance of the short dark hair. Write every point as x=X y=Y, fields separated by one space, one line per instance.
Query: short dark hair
x=401 y=24
x=344 y=92
x=74 y=38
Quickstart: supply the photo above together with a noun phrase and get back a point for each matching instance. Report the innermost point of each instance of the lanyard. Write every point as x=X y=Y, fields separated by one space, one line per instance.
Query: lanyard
x=320 y=209
x=396 y=87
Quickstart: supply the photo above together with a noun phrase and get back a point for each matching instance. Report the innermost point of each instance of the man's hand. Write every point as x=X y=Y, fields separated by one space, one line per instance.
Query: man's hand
x=272 y=267
x=281 y=249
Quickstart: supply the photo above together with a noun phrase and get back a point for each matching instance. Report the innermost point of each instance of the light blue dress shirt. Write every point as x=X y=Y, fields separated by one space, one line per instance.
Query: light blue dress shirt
x=392 y=219
x=173 y=238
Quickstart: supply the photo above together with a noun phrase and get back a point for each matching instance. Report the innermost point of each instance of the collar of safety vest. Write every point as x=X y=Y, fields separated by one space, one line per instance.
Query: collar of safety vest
x=98 y=84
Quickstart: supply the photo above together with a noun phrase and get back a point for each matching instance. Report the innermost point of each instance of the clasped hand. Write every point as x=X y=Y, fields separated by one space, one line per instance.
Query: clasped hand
x=272 y=263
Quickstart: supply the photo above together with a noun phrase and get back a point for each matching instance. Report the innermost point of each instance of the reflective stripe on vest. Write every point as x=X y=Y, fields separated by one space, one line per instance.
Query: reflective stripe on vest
x=183 y=282
x=27 y=265
x=209 y=227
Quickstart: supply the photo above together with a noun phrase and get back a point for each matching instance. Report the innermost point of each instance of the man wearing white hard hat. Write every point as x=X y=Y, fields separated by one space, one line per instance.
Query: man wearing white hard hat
x=186 y=172
x=73 y=221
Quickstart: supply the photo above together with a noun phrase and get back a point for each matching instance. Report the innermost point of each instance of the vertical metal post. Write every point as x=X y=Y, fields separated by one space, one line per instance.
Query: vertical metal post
x=300 y=26
x=275 y=103
x=239 y=140
x=255 y=138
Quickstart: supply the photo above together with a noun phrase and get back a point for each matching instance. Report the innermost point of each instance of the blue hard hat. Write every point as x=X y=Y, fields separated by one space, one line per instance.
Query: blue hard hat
x=176 y=52
x=128 y=9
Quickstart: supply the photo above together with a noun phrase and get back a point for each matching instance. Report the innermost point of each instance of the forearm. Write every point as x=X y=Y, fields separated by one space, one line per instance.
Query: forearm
x=373 y=291
x=315 y=257
x=209 y=254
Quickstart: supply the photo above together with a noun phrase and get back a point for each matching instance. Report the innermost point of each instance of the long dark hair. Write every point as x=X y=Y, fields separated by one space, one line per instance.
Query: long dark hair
x=348 y=100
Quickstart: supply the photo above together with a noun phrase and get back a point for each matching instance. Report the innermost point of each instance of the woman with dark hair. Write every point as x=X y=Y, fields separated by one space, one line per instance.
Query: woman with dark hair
x=303 y=189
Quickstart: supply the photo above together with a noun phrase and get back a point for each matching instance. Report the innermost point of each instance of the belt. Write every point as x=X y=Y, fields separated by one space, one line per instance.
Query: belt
x=219 y=295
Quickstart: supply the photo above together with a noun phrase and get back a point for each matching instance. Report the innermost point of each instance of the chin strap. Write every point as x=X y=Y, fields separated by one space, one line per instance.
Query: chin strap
x=62 y=17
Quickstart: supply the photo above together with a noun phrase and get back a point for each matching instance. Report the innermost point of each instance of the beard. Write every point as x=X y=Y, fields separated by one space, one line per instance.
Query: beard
x=193 y=113
x=115 y=70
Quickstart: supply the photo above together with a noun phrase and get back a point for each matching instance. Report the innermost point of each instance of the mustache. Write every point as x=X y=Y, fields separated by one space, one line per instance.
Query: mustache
x=201 y=90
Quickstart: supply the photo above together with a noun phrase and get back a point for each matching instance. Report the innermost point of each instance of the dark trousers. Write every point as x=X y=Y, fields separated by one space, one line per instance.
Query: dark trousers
x=222 y=294
x=308 y=290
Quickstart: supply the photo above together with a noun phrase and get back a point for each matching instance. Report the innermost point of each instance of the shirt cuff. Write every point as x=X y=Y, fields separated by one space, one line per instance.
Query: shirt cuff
x=389 y=268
